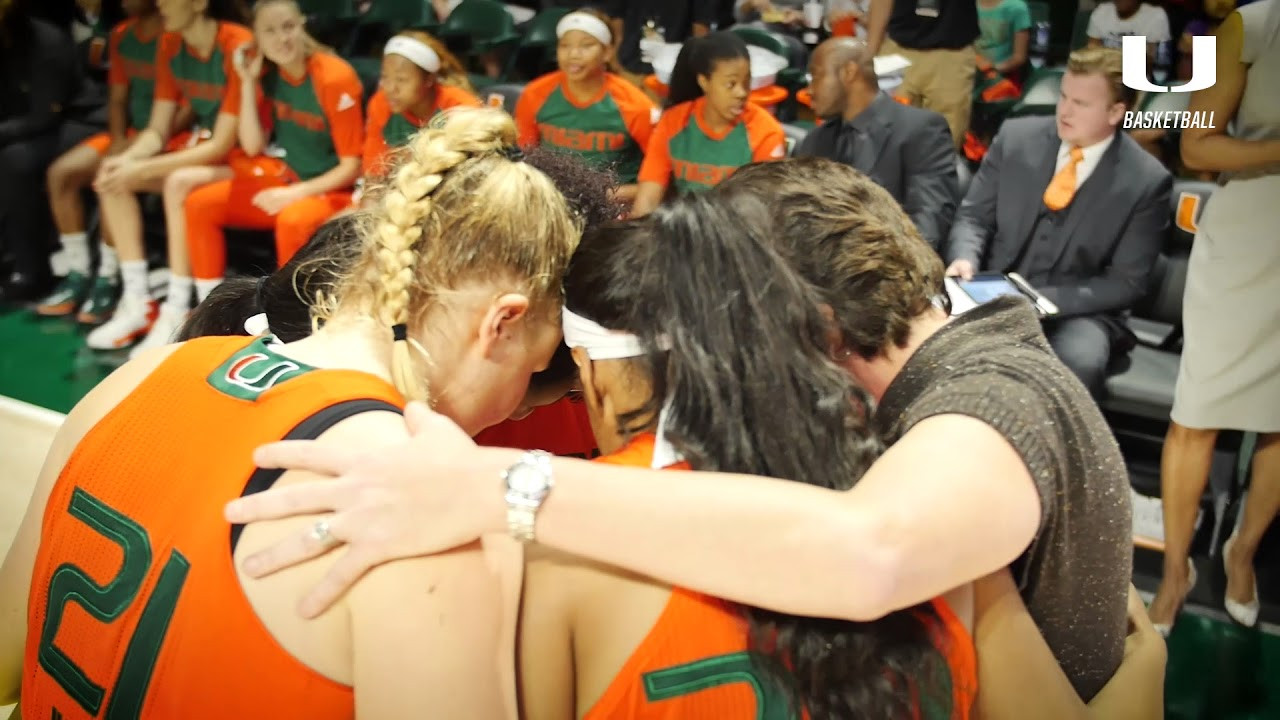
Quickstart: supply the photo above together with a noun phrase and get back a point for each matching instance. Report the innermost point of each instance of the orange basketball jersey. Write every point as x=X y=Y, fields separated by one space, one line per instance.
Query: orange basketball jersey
x=135 y=608
x=694 y=664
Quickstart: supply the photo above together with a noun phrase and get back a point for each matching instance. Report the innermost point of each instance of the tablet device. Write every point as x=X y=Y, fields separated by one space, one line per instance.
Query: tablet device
x=985 y=287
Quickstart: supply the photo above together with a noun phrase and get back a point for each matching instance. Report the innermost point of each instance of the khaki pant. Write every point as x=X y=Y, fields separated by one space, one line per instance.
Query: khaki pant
x=939 y=80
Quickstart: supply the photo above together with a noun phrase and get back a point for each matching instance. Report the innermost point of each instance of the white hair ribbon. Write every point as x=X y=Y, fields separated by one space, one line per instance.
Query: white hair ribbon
x=257 y=325
x=600 y=343
x=415 y=51
x=587 y=23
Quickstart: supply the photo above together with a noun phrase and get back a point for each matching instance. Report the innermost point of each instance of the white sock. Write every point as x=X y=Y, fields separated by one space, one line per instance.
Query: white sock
x=109 y=266
x=75 y=250
x=180 y=287
x=204 y=287
x=133 y=275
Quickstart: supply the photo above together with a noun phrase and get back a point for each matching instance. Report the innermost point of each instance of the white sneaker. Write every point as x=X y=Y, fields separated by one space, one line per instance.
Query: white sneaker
x=132 y=319
x=167 y=324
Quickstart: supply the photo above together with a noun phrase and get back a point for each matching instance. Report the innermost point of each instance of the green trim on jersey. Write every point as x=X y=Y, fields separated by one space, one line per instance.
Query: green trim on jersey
x=254 y=370
x=597 y=133
x=700 y=162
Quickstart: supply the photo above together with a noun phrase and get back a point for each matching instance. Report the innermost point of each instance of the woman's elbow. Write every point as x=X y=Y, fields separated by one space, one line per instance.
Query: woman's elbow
x=868 y=569
x=1191 y=148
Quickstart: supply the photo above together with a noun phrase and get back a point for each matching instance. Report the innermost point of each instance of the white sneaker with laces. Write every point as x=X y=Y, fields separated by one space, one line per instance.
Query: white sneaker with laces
x=167 y=324
x=132 y=319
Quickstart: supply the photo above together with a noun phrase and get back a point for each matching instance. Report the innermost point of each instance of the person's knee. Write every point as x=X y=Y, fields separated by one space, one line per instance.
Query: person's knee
x=1183 y=436
x=21 y=161
x=179 y=184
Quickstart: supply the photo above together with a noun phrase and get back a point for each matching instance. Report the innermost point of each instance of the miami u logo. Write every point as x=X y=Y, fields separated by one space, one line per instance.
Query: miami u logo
x=1204 y=71
x=259 y=372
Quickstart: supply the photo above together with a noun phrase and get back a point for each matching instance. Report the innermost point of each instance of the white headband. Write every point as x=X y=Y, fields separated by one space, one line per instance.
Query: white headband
x=600 y=343
x=416 y=51
x=587 y=23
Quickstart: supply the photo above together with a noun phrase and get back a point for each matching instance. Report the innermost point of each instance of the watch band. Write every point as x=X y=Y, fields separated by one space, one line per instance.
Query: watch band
x=520 y=521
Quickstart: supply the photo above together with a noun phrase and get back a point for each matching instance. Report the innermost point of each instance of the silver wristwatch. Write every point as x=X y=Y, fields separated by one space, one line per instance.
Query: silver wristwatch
x=527 y=484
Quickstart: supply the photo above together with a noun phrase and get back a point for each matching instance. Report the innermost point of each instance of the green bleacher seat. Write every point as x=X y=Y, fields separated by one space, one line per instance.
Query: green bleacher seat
x=535 y=52
x=763 y=39
x=484 y=23
x=397 y=15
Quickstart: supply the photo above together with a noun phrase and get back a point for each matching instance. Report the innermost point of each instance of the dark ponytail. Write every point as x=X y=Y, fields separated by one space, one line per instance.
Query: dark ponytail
x=752 y=389
x=698 y=56
x=286 y=295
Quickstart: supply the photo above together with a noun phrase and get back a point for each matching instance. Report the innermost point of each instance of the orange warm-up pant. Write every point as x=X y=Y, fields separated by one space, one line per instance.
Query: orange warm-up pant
x=229 y=203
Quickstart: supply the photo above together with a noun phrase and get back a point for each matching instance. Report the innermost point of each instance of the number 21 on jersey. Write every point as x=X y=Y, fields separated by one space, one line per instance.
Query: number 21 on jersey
x=70 y=584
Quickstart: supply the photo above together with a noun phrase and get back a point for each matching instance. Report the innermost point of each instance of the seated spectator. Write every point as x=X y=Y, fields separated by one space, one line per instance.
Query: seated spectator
x=1111 y=21
x=419 y=78
x=709 y=128
x=1006 y=36
x=585 y=108
x=906 y=150
x=131 y=56
x=301 y=164
x=30 y=116
x=193 y=67
x=1074 y=206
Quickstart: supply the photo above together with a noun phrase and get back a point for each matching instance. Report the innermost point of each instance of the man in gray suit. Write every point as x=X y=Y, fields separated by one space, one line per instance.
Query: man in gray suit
x=906 y=150
x=1077 y=208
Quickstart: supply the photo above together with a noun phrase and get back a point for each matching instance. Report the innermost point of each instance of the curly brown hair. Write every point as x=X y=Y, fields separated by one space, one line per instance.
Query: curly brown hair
x=853 y=242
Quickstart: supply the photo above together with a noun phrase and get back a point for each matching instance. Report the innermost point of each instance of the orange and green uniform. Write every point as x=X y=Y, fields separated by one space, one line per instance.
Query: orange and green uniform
x=561 y=428
x=135 y=607
x=209 y=84
x=610 y=130
x=695 y=664
x=316 y=119
x=385 y=130
x=684 y=150
x=132 y=60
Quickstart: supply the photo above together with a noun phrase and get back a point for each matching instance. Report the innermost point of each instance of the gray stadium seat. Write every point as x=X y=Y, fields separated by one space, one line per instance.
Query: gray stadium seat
x=1145 y=386
x=794 y=136
x=502 y=95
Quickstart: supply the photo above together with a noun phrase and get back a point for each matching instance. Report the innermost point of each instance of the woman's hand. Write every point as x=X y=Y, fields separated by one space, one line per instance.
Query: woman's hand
x=247 y=60
x=433 y=493
x=272 y=200
x=116 y=174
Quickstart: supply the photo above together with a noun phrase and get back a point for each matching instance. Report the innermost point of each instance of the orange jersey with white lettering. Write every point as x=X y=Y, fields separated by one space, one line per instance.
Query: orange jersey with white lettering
x=135 y=608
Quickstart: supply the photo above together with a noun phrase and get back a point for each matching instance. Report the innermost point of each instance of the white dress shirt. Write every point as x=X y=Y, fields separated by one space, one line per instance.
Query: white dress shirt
x=1092 y=155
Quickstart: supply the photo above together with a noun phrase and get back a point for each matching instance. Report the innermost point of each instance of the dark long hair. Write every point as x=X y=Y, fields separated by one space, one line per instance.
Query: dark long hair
x=228 y=11
x=698 y=56
x=288 y=294
x=749 y=387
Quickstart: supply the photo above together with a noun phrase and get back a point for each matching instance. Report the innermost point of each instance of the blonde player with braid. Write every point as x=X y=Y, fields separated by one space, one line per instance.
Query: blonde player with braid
x=450 y=301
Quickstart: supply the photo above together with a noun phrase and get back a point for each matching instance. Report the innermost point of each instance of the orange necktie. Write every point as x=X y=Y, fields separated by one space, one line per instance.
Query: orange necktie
x=1063 y=185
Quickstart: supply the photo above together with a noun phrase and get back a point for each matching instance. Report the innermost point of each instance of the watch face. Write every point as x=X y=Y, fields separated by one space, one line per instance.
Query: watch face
x=526 y=479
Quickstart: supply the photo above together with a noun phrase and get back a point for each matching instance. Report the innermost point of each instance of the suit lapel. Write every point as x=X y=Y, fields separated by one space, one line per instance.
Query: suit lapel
x=877 y=140
x=1089 y=197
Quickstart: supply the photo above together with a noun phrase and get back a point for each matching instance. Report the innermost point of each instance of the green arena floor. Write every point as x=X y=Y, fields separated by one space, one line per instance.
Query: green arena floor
x=1217 y=670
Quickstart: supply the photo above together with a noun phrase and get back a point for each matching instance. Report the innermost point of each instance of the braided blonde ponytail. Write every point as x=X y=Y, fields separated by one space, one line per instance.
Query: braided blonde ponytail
x=456 y=208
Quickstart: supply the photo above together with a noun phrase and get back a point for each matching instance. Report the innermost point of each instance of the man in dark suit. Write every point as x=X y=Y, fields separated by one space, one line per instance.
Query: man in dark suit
x=906 y=150
x=1077 y=208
